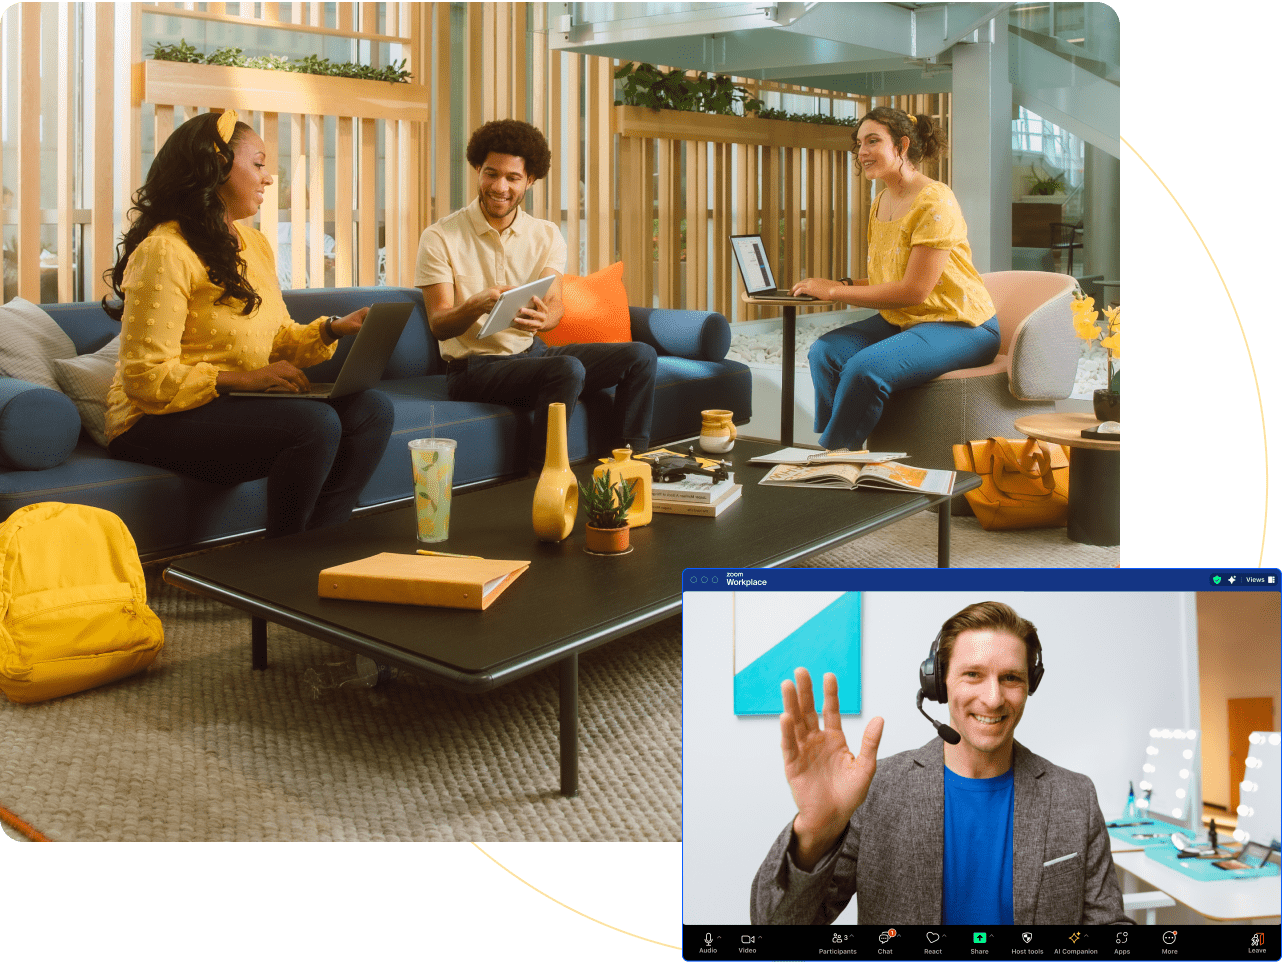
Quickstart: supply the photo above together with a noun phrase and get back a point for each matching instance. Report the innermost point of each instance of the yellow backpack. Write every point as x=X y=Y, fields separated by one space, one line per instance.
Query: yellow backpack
x=73 y=602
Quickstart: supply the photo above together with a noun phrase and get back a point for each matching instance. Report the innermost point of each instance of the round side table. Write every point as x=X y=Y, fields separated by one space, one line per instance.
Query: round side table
x=1094 y=475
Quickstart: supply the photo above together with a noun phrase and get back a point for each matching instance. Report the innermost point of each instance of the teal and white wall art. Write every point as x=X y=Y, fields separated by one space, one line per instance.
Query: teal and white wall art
x=775 y=633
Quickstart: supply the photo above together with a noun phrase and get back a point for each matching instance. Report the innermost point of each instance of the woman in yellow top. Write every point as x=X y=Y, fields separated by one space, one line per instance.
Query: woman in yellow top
x=203 y=316
x=935 y=315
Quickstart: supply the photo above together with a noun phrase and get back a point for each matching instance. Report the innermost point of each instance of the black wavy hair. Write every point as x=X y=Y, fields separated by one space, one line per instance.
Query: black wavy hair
x=925 y=137
x=514 y=137
x=182 y=185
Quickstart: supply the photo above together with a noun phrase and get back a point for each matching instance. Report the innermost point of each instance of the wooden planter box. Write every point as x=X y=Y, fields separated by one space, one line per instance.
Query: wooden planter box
x=688 y=125
x=244 y=88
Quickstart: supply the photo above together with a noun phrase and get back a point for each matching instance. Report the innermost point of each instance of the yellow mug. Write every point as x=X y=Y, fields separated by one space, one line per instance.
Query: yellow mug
x=718 y=432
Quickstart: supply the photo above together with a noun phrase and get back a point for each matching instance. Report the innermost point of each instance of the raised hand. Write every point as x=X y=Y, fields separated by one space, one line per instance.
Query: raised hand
x=828 y=783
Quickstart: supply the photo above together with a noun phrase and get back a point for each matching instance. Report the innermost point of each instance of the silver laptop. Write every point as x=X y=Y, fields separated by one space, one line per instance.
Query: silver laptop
x=754 y=268
x=363 y=368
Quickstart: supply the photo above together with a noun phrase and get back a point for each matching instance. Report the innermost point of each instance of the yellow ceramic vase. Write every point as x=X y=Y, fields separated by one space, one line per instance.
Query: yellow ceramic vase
x=639 y=477
x=556 y=498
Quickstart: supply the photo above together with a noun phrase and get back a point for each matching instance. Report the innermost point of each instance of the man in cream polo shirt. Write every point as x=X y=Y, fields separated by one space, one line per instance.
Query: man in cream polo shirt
x=470 y=257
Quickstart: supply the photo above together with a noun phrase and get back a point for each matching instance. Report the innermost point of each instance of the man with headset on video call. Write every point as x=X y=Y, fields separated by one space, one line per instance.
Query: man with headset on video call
x=970 y=829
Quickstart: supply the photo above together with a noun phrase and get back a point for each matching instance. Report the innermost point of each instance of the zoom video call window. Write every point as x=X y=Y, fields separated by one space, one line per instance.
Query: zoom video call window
x=950 y=764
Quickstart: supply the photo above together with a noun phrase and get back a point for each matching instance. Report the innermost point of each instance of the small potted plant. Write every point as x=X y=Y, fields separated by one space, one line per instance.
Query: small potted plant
x=1044 y=185
x=606 y=506
x=1108 y=400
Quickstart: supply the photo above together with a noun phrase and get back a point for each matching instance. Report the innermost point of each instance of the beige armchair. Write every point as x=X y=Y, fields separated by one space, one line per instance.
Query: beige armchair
x=1035 y=366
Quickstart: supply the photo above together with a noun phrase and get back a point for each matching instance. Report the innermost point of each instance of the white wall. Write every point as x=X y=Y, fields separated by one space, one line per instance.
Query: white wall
x=1117 y=664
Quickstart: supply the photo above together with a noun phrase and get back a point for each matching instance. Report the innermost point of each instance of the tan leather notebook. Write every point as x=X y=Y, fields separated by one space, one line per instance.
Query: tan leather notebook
x=411 y=579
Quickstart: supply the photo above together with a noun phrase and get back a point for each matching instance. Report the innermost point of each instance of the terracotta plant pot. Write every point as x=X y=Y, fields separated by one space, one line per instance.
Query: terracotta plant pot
x=607 y=540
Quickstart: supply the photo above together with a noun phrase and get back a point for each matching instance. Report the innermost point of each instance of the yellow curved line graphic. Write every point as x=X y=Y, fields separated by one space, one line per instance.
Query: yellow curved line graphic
x=568 y=908
x=1242 y=330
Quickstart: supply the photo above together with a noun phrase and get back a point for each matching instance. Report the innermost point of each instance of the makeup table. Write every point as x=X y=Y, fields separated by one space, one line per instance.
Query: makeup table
x=1226 y=900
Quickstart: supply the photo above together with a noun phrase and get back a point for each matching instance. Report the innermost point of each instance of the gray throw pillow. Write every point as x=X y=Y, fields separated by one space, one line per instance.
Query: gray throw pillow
x=85 y=380
x=30 y=340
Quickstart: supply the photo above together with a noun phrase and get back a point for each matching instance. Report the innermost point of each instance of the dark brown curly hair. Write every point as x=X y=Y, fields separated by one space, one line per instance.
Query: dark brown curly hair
x=513 y=137
x=182 y=185
x=925 y=138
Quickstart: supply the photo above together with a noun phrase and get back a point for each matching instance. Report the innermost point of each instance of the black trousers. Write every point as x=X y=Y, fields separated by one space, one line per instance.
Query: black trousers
x=317 y=455
x=543 y=375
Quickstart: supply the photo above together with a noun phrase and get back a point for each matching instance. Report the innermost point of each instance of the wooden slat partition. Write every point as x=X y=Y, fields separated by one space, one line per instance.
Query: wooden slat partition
x=367 y=241
x=66 y=74
x=27 y=191
x=570 y=152
x=554 y=210
x=439 y=155
x=372 y=164
x=344 y=204
x=101 y=141
x=268 y=128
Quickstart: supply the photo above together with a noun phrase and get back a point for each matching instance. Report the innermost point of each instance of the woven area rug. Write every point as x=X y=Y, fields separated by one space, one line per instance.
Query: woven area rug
x=202 y=748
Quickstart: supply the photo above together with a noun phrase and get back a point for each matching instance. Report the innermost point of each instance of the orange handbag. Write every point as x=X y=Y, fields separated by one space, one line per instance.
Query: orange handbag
x=1022 y=484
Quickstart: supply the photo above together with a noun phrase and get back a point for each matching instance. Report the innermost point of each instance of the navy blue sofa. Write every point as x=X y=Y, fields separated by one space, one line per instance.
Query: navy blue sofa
x=168 y=513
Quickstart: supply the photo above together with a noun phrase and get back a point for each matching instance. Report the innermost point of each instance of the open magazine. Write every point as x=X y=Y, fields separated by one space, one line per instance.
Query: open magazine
x=835 y=456
x=880 y=476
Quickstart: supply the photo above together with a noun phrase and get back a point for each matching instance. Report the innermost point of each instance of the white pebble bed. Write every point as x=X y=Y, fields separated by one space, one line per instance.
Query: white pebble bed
x=752 y=346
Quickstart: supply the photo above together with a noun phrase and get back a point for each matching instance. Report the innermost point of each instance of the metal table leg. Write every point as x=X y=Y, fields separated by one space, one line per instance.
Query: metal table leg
x=258 y=643
x=1094 y=497
x=786 y=406
x=945 y=532
x=569 y=683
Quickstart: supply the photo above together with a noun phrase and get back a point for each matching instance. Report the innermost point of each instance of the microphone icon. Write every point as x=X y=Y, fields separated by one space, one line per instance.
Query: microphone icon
x=707 y=939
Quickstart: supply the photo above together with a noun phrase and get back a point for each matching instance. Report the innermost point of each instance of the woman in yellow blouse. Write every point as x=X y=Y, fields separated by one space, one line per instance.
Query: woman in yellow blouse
x=203 y=316
x=935 y=315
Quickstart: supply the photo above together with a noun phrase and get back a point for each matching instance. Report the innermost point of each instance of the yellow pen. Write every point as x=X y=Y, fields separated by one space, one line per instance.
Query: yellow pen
x=446 y=554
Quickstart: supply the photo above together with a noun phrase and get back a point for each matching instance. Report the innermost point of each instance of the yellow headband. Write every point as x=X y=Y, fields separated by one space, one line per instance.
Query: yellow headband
x=227 y=125
x=912 y=118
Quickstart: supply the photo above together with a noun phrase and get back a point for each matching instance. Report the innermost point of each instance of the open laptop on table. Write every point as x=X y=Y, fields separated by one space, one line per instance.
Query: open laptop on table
x=754 y=268
x=363 y=367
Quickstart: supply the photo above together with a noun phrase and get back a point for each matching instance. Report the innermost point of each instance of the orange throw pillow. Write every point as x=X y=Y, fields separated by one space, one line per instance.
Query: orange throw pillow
x=596 y=309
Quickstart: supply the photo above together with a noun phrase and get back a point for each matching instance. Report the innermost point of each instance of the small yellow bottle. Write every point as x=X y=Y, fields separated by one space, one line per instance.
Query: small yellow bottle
x=638 y=475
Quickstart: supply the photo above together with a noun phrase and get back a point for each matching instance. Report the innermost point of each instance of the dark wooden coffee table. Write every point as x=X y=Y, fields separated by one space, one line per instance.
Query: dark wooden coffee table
x=567 y=602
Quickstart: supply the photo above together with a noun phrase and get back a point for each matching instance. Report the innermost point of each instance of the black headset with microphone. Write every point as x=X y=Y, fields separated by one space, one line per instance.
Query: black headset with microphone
x=931 y=678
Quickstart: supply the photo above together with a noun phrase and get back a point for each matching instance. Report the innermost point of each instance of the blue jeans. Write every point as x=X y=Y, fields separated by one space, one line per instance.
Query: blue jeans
x=857 y=366
x=543 y=375
x=317 y=455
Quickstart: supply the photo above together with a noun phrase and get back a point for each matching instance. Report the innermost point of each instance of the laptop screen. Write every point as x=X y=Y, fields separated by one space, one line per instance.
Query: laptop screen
x=754 y=266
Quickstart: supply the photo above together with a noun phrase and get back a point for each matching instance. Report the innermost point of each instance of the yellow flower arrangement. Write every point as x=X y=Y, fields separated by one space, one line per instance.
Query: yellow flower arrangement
x=1086 y=326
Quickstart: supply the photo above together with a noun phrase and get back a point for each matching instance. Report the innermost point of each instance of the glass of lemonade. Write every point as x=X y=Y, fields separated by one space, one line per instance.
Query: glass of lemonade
x=433 y=462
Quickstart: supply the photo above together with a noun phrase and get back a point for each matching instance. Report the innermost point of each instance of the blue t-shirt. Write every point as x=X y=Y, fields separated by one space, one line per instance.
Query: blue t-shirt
x=979 y=821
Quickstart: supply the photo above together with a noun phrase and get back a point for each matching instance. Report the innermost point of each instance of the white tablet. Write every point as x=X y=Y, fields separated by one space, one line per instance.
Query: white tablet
x=512 y=301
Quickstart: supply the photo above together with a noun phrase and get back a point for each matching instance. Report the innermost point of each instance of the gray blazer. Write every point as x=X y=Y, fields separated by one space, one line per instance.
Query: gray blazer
x=892 y=852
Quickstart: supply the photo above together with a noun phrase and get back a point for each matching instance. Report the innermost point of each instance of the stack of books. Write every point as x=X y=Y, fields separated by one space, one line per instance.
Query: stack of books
x=695 y=494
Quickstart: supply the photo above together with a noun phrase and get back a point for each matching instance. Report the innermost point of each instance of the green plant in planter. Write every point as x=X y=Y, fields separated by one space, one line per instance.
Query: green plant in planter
x=773 y=113
x=183 y=52
x=645 y=85
x=1045 y=186
x=606 y=505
